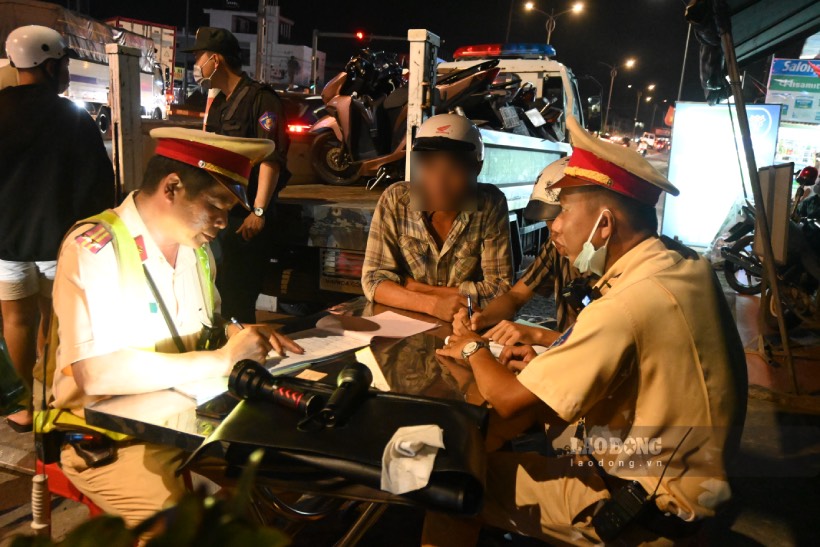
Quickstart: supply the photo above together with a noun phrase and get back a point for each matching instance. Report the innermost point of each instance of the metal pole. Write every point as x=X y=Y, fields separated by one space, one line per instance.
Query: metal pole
x=261 y=39
x=314 y=61
x=762 y=224
x=421 y=89
x=509 y=21
x=123 y=69
x=187 y=55
x=683 y=65
x=652 y=123
x=550 y=26
x=637 y=107
x=612 y=74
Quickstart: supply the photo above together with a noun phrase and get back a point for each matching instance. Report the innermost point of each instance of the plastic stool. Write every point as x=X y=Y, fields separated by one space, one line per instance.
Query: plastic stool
x=60 y=485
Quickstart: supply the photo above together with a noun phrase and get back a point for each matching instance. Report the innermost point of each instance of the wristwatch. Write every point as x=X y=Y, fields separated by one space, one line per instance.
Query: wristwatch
x=471 y=348
x=259 y=211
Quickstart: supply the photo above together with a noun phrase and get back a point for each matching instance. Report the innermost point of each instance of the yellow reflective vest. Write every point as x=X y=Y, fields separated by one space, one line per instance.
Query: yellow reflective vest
x=132 y=281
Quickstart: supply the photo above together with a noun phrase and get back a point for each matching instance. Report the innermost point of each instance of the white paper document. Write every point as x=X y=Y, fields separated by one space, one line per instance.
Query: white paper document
x=333 y=335
x=385 y=325
x=319 y=344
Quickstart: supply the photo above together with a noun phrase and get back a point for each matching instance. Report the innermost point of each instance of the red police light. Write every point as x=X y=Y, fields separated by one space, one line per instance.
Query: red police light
x=359 y=35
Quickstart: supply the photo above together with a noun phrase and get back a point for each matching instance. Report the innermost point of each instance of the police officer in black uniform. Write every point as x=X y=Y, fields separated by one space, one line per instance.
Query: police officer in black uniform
x=243 y=108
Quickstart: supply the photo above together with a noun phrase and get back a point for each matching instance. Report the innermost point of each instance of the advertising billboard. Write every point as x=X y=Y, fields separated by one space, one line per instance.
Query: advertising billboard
x=708 y=165
x=795 y=84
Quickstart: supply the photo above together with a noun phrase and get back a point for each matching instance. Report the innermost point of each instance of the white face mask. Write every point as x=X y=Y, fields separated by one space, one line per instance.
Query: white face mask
x=199 y=77
x=590 y=259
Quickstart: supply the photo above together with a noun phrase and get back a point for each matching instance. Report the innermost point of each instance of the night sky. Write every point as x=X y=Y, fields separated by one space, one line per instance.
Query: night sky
x=652 y=31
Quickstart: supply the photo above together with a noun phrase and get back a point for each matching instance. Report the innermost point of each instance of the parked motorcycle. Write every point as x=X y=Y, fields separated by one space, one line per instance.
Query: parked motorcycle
x=513 y=107
x=798 y=279
x=741 y=267
x=364 y=134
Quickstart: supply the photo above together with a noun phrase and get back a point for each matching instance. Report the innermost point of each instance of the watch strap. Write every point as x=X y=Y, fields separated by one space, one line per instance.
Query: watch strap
x=479 y=346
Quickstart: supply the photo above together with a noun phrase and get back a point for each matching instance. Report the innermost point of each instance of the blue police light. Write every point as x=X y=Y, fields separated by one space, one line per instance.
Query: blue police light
x=541 y=50
x=484 y=51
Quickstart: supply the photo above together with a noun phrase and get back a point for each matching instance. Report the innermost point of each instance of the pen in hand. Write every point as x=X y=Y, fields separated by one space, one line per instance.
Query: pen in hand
x=240 y=326
x=470 y=308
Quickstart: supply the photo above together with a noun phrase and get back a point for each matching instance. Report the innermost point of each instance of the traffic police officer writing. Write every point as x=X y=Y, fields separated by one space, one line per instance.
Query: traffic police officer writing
x=243 y=108
x=134 y=288
x=654 y=363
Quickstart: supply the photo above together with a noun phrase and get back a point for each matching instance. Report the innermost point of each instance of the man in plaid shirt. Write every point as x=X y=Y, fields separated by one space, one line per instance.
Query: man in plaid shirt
x=443 y=237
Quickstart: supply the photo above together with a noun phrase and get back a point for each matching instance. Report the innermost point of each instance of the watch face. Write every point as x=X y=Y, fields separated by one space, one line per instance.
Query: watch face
x=258 y=211
x=470 y=347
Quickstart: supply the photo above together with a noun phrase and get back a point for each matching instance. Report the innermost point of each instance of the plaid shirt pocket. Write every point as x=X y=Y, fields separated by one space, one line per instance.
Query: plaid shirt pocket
x=416 y=254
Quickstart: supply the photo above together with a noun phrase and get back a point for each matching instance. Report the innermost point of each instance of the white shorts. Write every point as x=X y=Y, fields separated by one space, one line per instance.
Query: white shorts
x=20 y=280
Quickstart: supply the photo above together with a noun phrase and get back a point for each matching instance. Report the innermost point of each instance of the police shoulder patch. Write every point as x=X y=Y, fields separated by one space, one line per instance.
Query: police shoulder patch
x=94 y=239
x=267 y=120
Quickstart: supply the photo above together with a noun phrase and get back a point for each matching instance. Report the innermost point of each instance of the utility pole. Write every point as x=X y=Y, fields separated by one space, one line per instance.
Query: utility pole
x=509 y=21
x=187 y=55
x=683 y=65
x=637 y=107
x=612 y=73
x=261 y=41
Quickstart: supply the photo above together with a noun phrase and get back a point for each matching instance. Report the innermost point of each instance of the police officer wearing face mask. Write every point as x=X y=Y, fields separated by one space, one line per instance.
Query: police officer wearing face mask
x=242 y=108
x=654 y=358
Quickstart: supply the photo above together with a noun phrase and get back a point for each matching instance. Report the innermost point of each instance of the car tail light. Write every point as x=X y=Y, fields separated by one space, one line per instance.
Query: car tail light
x=298 y=128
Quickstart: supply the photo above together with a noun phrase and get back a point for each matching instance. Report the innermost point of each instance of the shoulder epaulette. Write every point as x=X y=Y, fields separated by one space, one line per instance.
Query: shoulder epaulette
x=95 y=238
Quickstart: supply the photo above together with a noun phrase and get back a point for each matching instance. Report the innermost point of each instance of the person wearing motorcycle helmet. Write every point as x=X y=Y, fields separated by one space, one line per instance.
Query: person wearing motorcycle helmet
x=54 y=169
x=442 y=237
x=549 y=273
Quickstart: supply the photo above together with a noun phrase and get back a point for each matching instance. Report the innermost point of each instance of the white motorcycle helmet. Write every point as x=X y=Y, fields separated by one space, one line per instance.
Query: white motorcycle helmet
x=30 y=46
x=544 y=204
x=449 y=132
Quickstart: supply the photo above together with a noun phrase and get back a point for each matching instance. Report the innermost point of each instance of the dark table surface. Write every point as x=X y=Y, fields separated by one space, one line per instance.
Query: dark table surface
x=409 y=365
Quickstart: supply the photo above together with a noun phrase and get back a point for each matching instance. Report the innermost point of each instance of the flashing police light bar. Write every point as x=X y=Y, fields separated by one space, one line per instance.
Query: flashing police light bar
x=505 y=50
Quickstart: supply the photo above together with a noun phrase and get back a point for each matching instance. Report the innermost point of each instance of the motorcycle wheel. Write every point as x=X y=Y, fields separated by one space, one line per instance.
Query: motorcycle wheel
x=331 y=162
x=740 y=279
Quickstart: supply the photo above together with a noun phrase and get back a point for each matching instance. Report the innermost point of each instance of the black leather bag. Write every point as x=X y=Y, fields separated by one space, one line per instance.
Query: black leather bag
x=311 y=460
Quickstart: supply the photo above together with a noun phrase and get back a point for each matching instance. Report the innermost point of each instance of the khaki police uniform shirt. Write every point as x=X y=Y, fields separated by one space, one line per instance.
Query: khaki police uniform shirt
x=656 y=355
x=94 y=315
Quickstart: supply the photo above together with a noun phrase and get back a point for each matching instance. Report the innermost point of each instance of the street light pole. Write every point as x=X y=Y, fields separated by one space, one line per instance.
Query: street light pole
x=637 y=107
x=652 y=121
x=551 y=25
x=552 y=16
x=683 y=64
x=509 y=21
x=612 y=73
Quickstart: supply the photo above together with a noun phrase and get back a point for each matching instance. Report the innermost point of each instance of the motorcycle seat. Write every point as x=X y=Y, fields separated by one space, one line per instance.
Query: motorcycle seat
x=397 y=99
